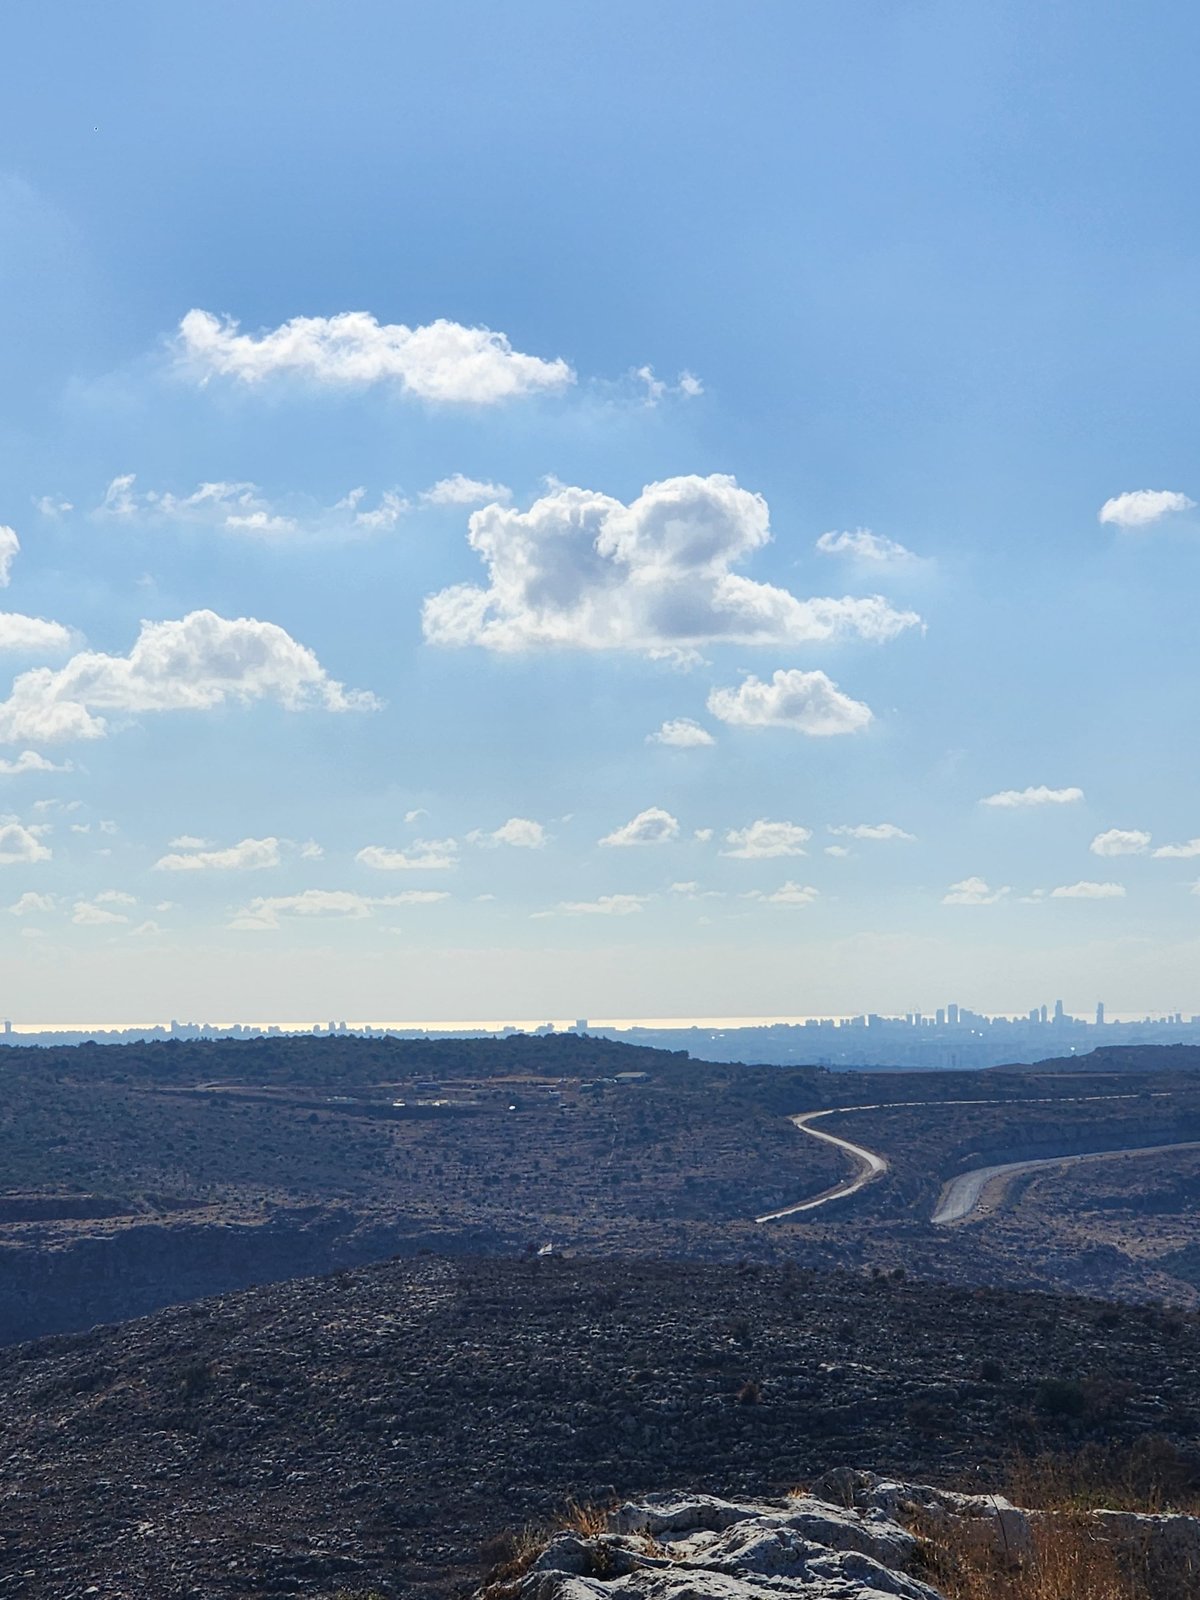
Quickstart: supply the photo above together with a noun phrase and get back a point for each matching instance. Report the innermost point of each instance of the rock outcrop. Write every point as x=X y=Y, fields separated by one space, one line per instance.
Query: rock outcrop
x=855 y=1537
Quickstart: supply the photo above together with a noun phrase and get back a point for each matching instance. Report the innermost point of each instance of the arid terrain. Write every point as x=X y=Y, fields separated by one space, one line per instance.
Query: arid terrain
x=137 y=1176
x=382 y=1430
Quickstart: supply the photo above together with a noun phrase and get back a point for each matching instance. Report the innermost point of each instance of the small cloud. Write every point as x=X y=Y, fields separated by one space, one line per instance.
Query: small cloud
x=52 y=505
x=10 y=547
x=187 y=841
x=251 y=855
x=684 y=888
x=788 y=894
x=838 y=851
x=608 y=905
x=1088 y=891
x=763 y=840
x=806 y=702
x=973 y=892
x=1142 y=507
x=30 y=904
x=863 y=545
x=30 y=761
x=520 y=832
x=265 y=914
x=682 y=733
x=1120 y=842
x=873 y=830
x=146 y=930
x=458 y=490
x=652 y=826
x=1018 y=799
x=702 y=835
x=310 y=850
x=686 y=385
x=441 y=362
x=90 y=915
x=1177 y=852
x=20 y=845
x=115 y=897
x=426 y=855
x=415 y=816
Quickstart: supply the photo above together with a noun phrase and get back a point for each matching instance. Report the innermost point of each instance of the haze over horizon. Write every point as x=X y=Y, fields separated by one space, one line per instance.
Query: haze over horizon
x=598 y=511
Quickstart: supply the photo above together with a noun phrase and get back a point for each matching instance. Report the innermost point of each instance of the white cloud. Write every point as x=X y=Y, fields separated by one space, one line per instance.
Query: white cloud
x=1017 y=799
x=443 y=361
x=863 y=545
x=195 y=664
x=1141 y=507
x=702 y=835
x=1178 y=852
x=187 y=841
x=652 y=826
x=807 y=702
x=520 y=832
x=690 y=888
x=31 y=902
x=148 y=929
x=608 y=905
x=415 y=815
x=582 y=570
x=19 y=844
x=1120 y=842
x=1088 y=891
x=265 y=912
x=838 y=851
x=687 y=385
x=763 y=840
x=426 y=855
x=29 y=761
x=10 y=546
x=873 y=830
x=32 y=635
x=115 y=897
x=973 y=892
x=310 y=850
x=681 y=733
x=788 y=894
x=265 y=522
x=251 y=855
x=52 y=505
x=458 y=490
x=89 y=915
x=383 y=517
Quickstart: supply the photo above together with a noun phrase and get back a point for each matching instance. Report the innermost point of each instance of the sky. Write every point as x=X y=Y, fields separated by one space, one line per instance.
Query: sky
x=598 y=510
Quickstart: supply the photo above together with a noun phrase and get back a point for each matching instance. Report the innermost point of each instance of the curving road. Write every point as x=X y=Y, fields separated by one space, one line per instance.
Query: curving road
x=961 y=1195
x=868 y=1165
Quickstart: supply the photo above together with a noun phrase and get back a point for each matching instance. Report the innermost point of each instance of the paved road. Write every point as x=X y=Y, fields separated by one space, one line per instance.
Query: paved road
x=868 y=1165
x=960 y=1197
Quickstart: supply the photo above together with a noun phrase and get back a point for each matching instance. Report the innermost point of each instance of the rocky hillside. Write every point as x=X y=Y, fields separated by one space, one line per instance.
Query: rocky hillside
x=393 y=1428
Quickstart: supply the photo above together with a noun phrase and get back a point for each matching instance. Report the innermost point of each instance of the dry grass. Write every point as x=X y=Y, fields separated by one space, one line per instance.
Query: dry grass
x=587 y=1521
x=1069 y=1560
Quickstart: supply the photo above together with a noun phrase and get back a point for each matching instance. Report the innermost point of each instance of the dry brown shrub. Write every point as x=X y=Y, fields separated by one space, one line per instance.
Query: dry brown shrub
x=1068 y=1560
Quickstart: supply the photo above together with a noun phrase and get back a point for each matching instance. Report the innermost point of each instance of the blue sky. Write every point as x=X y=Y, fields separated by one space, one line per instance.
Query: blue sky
x=656 y=650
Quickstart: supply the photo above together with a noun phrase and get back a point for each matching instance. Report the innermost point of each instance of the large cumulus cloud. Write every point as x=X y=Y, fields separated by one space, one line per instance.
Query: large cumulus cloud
x=583 y=570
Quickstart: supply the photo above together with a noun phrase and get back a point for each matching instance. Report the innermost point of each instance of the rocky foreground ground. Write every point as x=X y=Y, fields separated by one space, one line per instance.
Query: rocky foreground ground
x=384 y=1429
x=857 y=1537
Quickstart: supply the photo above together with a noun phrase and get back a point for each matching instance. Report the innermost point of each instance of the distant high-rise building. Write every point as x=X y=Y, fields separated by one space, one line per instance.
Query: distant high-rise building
x=1044 y=1016
x=581 y=1024
x=1100 y=1013
x=1058 y=1011
x=952 y=1015
x=940 y=1017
